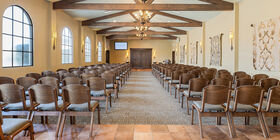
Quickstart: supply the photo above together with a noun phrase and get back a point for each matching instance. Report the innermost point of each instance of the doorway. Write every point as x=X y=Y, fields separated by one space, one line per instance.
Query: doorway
x=141 y=58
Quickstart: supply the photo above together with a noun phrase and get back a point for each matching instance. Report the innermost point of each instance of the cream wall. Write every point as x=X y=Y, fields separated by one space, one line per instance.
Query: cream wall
x=224 y=23
x=251 y=12
x=162 y=49
x=194 y=36
x=46 y=22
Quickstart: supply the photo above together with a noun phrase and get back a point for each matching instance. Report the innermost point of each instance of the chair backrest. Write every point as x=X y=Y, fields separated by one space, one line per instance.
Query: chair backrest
x=273 y=97
x=208 y=76
x=43 y=94
x=248 y=95
x=244 y=81
x=197 y=84
x=176 y=75
x=71 y=80
x=109 y=77
x=36 y=76
x=76 y=94
x=6 y=80
x=185 y=78
x=95 y=72
x=26 y=82
x=222 y=82
x=51 y=81
x=268 y=83
x=72 y=69
x=85 y=76
x=96 y=83
x=61 y=70
x=77 y=73
x=68 y=75
x=215 y=95
x=11 y=93
x=225 y=76
x=259 y=77
x=47 y=73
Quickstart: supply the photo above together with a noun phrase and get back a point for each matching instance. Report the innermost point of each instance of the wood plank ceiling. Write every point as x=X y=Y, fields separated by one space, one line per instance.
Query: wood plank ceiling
x=119 y=22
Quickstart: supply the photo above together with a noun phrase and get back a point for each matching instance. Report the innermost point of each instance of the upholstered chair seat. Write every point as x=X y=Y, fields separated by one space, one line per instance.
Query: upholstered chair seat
x=109 y=86
x=183 y=86
x=10 y=126
x=174 y=82
x=193 y=94
x=50 y=106
x=17 y=106
x=209 y=107
x=97 y=93
x=242 y=107
x=82 y=107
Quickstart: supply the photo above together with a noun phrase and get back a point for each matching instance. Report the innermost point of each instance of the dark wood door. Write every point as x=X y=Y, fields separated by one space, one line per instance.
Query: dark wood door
x=173 y=57
x=108 y=56
x=141 y=58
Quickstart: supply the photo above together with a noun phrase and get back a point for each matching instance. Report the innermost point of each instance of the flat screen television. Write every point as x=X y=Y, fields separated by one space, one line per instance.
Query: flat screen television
x=120 y=45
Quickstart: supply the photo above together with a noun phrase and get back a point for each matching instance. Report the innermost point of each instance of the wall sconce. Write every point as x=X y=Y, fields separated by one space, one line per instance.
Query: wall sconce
x=83 y=45
x=154 y=55
x=54 y=36
x=127 y=56
x=231 y=40
x=200 y=44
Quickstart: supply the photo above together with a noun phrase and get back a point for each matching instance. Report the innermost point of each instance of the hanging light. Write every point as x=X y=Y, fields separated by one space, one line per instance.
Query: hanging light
x=142 y=28
x=143 y=16
x=141 y=35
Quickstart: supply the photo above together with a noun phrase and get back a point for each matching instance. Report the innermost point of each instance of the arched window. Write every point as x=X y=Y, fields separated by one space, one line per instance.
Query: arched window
x=87 y=50
x=99 y=52
x=17 y=38
x=67 y=46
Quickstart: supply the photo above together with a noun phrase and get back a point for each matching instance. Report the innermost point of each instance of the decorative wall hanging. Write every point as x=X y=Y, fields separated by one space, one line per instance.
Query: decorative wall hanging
x=182 y=54
x=266 y=45
x=193 y=53
x=216 y=50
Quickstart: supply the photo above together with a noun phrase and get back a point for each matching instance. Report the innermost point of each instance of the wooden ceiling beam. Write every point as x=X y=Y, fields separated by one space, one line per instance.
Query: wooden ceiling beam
x=133 y=32
x=216 y=2
x=134 y=24
x=65 y=2
x=115 y=37
x=150 y=2
x=102 y=31
x=88 y=22
x=163 y=7
x=178 y=17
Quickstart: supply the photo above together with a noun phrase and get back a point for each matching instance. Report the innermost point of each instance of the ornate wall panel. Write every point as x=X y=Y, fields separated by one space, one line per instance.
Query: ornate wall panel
x=216 y=50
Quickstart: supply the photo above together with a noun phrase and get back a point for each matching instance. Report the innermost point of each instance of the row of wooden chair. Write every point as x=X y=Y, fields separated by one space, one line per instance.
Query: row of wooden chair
x=190 y=82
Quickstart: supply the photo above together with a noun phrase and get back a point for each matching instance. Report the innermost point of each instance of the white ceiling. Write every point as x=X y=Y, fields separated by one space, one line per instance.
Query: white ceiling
x=196 y=15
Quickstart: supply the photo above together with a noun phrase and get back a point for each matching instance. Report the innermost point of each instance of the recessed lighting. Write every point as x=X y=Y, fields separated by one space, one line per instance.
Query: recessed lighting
x=168 y=21
x=107 y=12
x=114 y=20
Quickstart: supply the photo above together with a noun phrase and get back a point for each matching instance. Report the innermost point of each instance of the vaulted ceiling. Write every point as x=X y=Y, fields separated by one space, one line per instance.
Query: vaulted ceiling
x=115 y=18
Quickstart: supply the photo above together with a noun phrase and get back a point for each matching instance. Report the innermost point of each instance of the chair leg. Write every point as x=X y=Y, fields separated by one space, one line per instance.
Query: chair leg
x=263 y=127
x=46 y=120
x=110 y=101
x=58 y=124
x=187 y=102
x=31 y=132
x=200 y=124
x=274 y=120
x=91 y=123
x=175 y=92
x=182 y=102
x=231 y=133
x=98 y=114
x=62 y=125
x=232 y=124
x=192 y=114
x=106 y=104
x=265 y=124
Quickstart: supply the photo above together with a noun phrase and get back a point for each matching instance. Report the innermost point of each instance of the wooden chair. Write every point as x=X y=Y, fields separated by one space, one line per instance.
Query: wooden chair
x=6 y=80
x=194 y=92
x=243 y=82
x=77 y=73
x=26 y=82
x=174 y=80
x=111 y=83
x=14 y=101
x=183 y=84
x=85 y=76
x=44 y=102
x=67 y=75
x=268 y=83
x=222 y=82
x=47 y=73
x=258 y=77
x=271 y=107
x=72 y=69
x=98 y=91
x=36 y=76
x=80 y=104
x=10 y=127
x=212 y=105
x=71 y=80
x=51 y=81
x=248 y=103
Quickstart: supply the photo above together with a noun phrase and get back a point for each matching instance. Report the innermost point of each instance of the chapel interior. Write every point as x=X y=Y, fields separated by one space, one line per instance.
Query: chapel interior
x=139 y=69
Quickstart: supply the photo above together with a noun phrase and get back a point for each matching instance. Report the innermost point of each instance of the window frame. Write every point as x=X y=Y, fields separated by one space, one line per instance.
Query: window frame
x=67 y=45
x=88 y=50
x=99 y=53
x=22 y=37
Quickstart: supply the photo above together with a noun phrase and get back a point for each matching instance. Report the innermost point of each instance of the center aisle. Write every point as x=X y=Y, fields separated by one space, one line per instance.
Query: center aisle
x=143 y=101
